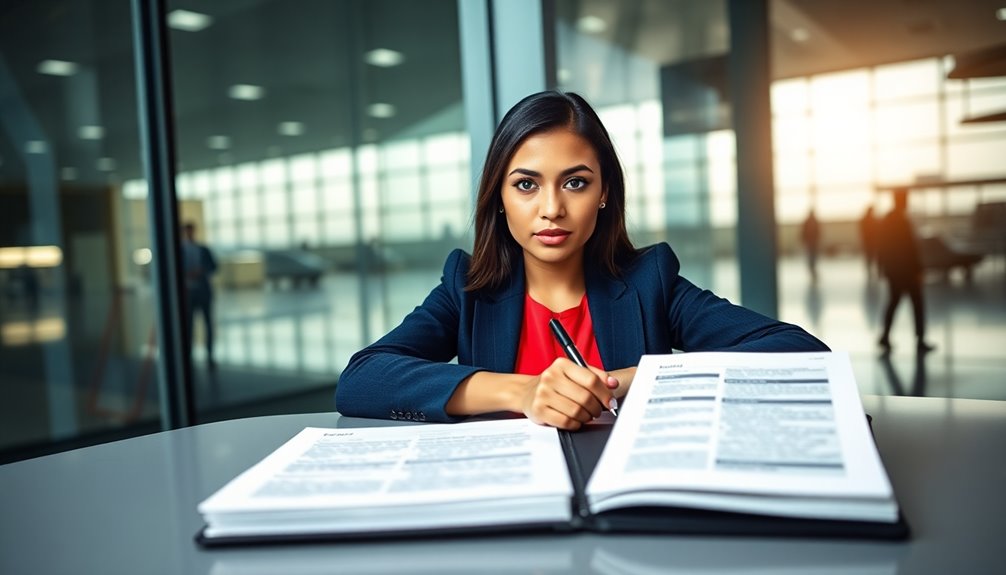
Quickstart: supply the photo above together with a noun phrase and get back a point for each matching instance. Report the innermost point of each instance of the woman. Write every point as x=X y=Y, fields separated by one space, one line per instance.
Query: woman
x=550 y=241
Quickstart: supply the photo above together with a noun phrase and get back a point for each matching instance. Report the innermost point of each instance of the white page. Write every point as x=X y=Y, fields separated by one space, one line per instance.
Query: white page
x=745 y=423
x=400 y=466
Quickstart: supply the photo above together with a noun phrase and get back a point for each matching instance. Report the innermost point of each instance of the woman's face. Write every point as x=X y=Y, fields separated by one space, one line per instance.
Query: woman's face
x=552 y=190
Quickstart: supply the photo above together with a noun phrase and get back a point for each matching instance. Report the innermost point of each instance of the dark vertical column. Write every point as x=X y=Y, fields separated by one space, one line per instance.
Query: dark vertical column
x=153 y=85
x=750 y=81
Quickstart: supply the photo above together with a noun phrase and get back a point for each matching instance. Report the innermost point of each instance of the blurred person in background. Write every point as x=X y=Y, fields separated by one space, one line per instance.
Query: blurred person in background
x=901 y=264
x=199 y=267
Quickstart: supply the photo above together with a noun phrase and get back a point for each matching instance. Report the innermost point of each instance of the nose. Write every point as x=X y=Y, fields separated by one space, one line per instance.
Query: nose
x=550 y=203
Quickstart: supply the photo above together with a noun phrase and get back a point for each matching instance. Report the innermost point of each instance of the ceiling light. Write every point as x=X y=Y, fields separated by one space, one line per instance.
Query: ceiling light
x=91 y=132
x=799 y=35
x=383 y=58
x=106 y=164
x=381 y=110
x=134 y=190
x=1001 y=14
x=31 y=256
x=57 y=68
x=246 y=92
x=290 y=128
x=68 y=173
x=218 y=142
x=35 y=147
x=591 y=25
x=188 y=21
x=143 y=256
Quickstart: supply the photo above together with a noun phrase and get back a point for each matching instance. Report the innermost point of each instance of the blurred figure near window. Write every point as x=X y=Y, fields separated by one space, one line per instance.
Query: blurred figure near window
x=199 y=267
x=810 y=235
x=901 y=264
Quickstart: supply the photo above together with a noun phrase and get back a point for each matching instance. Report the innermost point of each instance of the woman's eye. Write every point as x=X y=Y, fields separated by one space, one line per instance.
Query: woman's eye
x=576 y=183
x=524 y=185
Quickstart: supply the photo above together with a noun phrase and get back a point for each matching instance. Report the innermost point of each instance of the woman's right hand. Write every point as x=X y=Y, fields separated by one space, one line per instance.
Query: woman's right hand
x=566 y=395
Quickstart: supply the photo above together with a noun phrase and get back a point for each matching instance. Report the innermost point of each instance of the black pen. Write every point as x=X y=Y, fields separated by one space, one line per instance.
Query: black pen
x=574 y=354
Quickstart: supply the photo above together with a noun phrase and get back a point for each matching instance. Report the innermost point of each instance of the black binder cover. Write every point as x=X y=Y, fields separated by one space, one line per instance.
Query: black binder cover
x=582 y=450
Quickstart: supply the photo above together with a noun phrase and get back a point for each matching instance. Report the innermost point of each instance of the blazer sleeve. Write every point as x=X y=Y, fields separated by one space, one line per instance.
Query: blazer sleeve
x=703 y=321
x=406 y=374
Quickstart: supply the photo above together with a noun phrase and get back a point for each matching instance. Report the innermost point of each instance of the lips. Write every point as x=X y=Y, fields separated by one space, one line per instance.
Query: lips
x=552 y=236
x=553 y=232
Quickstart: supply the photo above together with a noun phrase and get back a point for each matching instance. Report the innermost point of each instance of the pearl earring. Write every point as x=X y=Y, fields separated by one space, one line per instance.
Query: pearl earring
x=603 y=204
x=501 y=210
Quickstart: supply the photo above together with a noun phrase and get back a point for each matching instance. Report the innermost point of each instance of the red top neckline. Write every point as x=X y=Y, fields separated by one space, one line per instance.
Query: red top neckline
x=538 y=348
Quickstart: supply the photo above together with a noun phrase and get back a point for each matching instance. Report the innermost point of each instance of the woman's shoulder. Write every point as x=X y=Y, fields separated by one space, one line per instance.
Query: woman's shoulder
x=657 y=258
x=456 y=266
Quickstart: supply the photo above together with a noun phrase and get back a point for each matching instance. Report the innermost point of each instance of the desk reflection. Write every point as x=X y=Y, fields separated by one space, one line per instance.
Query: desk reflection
x=505 y=554
x=624 y=555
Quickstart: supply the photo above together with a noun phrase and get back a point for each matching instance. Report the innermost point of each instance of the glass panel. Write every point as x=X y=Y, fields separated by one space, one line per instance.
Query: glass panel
x=664 y=104
x=339 y=123
x=77 y=347
x=976 y=159
x=911 y=79
x=899 y=122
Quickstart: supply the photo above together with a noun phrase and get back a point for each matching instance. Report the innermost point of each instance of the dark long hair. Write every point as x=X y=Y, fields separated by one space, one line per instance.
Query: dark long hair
x=496 y=251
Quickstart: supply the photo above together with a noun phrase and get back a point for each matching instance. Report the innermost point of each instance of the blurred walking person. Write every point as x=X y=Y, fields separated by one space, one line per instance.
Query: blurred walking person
x=199 y=267
x=900 y=263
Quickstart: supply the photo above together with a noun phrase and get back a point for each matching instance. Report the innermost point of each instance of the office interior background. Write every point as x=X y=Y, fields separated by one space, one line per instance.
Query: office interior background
x=327 y=149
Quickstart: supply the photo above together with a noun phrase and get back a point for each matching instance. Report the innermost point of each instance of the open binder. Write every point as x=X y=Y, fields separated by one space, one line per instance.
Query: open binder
x=559 y=481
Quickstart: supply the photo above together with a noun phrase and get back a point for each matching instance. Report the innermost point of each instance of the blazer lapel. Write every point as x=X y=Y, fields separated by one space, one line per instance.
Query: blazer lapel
x=497 y=323
x=618 y=321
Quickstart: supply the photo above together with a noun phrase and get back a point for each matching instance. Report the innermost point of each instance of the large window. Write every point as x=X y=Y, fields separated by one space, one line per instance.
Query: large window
x=840 y=137
x=324 y=160
x=77 y=345
x=322 y=157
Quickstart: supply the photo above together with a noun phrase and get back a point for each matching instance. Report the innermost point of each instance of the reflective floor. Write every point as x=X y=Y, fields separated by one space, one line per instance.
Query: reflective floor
x=966 y=323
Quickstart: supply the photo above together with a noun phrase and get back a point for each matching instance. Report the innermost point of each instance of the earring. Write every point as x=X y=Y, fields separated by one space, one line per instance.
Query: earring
x=603 y=204
x=501 y=210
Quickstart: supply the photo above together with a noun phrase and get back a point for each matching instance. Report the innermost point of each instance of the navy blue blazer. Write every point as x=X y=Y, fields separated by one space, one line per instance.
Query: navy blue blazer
x=649 y=310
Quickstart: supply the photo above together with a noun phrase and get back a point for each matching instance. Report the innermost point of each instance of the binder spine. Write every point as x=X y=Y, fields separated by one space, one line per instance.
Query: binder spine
x=581 y=509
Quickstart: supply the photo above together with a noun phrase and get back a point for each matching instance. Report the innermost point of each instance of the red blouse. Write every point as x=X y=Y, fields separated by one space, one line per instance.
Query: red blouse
x=538 y=348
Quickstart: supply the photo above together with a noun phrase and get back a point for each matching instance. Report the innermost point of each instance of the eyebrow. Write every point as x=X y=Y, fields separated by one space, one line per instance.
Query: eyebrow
x=562 y=174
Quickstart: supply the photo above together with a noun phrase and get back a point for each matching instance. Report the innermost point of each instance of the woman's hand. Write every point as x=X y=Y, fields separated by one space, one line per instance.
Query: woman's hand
x=566 y=395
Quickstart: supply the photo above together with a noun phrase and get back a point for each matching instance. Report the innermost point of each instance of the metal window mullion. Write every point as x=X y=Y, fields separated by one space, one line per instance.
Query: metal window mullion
x=153 y=85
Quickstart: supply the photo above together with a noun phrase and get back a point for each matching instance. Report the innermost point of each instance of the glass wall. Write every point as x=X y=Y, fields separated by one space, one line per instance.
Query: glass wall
x=656 y=72
x=77 y=344
x=323 y=160
x=841 y=137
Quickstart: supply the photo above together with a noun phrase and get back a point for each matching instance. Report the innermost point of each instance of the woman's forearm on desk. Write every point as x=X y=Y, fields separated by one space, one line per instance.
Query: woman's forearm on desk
x=486 y=392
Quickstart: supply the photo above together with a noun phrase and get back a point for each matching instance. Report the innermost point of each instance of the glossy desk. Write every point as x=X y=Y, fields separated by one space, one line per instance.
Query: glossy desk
x=130 y=507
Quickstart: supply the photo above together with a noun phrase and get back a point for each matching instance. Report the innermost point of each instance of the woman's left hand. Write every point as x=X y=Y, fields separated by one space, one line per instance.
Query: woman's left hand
x=624 y=378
